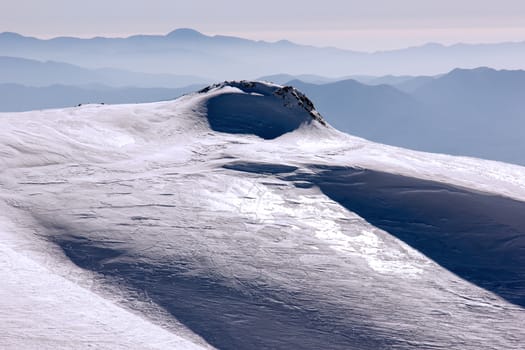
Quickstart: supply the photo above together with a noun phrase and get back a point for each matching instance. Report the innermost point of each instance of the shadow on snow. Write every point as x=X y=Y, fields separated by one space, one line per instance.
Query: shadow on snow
x=478 y=236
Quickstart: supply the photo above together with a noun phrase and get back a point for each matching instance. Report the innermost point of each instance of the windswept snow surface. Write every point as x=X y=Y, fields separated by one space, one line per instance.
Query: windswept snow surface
x=235 y=218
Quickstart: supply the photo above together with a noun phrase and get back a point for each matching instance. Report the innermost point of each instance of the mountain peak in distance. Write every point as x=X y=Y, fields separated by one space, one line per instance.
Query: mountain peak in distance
x=185 y=33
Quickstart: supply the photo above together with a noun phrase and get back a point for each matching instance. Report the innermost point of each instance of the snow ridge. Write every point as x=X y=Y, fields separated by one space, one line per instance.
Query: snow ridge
x=292 y=98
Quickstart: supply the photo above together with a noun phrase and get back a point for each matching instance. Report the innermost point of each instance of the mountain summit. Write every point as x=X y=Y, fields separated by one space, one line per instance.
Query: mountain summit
x=263 y=109
x=185 y=33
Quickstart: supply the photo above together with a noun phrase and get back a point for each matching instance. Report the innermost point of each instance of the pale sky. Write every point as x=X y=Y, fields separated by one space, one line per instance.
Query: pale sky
x=351 y=24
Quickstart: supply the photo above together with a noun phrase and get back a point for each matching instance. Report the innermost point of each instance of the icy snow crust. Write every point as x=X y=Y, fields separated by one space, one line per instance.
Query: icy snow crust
x=188 y=224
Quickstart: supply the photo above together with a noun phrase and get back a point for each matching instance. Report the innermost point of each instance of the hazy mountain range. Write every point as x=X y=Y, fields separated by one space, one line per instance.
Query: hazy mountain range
x=478 y=112
x=37 y=73
x=188 y=52
x=406 y=83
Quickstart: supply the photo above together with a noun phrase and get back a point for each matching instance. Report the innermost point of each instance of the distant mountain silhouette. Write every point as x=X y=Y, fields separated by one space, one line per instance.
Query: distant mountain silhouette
x=380 y=113
x=18 y=98
x=414 y=83
x=478 y=112
x=386 y=79
x=185 y=34
x=307 y=78
x=35 y=73
x=405 y=83
x=186 y=51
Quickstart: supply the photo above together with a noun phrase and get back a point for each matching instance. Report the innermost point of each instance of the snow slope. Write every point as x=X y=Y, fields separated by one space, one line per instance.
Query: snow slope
x=235 y=218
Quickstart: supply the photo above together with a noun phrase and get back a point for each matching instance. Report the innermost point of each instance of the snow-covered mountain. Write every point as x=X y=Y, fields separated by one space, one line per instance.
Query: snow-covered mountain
x=236 y=218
